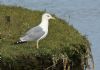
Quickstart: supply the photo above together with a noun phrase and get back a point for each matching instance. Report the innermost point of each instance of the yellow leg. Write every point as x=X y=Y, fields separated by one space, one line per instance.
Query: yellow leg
x=37 y=43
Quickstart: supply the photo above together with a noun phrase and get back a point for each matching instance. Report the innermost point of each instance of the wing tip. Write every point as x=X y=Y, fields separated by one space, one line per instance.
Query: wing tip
x=20 y=42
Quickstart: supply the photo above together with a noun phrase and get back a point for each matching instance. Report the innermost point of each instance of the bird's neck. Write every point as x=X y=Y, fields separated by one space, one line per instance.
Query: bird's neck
x=44 y=24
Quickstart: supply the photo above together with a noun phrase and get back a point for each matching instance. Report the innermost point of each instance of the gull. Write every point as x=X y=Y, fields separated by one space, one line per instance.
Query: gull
x=37 y=33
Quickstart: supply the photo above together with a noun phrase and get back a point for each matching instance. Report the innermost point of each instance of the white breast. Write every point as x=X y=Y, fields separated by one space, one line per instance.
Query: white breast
x=45 y=29
x=44 y=25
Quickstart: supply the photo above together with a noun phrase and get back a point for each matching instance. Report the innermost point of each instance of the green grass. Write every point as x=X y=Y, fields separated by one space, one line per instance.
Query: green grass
x=62 y=40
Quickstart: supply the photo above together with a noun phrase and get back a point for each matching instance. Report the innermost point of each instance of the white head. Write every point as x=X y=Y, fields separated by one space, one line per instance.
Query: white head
x=47 y=16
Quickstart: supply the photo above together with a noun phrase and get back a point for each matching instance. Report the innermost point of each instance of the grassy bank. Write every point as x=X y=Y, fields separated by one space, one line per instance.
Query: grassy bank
x=63 y=48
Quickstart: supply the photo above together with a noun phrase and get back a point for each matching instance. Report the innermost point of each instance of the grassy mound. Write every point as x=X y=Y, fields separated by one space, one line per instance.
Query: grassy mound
x=64 y=48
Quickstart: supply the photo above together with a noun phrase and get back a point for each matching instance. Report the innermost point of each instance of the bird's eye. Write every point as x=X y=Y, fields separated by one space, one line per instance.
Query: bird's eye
x=47 y=15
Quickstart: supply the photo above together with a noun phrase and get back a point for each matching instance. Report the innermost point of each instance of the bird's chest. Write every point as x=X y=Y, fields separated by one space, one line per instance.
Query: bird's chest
x=45 y=34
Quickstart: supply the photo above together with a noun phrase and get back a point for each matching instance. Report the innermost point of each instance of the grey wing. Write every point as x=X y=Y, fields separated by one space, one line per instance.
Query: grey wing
x=34 y=29
x=33 y=34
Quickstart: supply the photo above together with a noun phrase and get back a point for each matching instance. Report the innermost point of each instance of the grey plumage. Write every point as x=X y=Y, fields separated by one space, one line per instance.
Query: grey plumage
x=33 y=34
